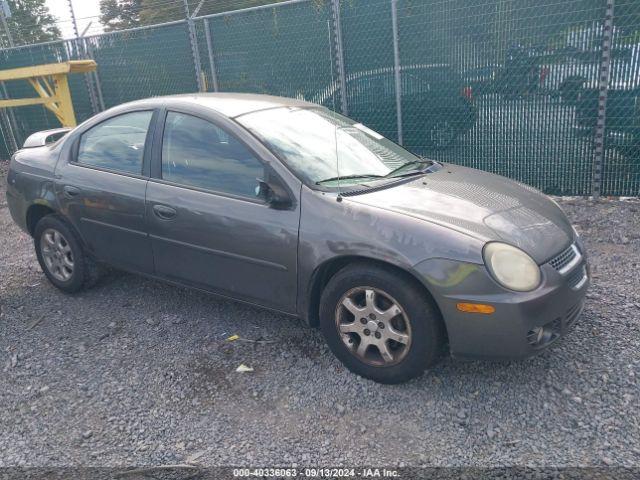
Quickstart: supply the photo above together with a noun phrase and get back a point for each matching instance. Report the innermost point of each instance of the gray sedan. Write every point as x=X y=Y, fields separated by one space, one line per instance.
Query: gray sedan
x=287 y=205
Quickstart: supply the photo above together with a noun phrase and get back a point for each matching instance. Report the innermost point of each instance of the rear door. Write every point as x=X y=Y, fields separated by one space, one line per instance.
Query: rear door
x=208 y=225
x=101 y=185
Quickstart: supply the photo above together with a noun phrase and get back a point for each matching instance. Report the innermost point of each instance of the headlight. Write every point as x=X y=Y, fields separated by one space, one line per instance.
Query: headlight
x=511 y=267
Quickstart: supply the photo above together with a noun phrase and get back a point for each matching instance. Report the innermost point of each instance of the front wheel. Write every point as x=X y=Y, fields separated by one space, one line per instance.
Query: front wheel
x=380 y=323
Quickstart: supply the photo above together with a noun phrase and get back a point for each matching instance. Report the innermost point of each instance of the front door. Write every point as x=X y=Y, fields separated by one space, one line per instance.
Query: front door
x=208 y=225
x=101 y=189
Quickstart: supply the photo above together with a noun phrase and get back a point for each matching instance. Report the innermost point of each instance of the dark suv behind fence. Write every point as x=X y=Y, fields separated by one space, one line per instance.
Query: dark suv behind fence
x=623 y=118
x=436 y=104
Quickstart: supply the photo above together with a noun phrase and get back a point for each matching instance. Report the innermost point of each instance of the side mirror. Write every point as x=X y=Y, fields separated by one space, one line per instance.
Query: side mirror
x=273 y=193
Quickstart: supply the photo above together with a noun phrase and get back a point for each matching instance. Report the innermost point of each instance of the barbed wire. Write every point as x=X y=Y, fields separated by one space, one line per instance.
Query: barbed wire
x=164 y=5
x=159 y=6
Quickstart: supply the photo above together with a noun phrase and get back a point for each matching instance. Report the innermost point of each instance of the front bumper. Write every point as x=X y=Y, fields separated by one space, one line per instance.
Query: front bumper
x=522 y=325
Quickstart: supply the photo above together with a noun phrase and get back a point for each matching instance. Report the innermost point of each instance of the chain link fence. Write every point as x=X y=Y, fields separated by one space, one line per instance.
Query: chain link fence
x=543 y=91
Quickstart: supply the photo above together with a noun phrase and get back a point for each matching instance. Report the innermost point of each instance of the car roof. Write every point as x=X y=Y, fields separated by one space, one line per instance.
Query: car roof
x=228 y=104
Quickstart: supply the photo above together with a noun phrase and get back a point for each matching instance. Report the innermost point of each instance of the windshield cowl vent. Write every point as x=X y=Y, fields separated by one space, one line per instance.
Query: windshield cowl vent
x=360 y=191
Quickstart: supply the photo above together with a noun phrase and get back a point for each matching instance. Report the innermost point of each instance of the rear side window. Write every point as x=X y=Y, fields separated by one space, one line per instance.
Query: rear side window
x=375 y=86
x=198 y=153
x=116 y=144
x=430 y=80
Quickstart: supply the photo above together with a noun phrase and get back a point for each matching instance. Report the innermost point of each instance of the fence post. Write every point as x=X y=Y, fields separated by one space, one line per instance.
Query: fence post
x=396 y=67
x=96 y=78
x=194 y=47
x=337 y=35
x=212 y=64
x=8 y=133
x=10 y=119
x=78 y=44
x=603 y=86
x=196 y=54
x=81 y=47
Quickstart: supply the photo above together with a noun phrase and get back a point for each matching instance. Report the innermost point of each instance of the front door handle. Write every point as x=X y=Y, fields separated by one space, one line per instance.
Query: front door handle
x=70 y=191
x=163 y=212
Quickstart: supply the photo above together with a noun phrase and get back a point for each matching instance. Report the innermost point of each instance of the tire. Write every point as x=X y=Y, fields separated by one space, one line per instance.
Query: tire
x=571 y=89
x=442 y=134
x=418 y=322
x=78 y=271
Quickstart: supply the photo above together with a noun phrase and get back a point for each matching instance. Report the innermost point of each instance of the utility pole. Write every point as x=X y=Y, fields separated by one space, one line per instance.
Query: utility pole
x=4 y=13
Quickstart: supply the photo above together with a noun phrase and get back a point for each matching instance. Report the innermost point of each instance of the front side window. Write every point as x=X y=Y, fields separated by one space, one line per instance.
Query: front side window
x=320 y=145
x=198 y=153
x=116 y=144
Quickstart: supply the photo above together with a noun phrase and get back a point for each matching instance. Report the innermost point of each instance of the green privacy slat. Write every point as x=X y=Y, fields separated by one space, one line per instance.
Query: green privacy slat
x=510 y=58
x=284 y=50
x=143 y=63
x=507 y=86
x=368 y=50
x=621 y=163
x=4 y=141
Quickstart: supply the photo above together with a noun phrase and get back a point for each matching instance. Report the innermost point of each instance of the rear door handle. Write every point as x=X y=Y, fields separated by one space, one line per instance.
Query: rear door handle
x=163 y=212
x=70 y=191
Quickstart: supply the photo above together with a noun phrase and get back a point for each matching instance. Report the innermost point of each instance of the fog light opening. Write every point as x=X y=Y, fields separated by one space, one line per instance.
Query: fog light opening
x=541 y=336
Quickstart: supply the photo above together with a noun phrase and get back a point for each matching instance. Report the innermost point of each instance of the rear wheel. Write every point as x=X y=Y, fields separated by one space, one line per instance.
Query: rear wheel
x=380 y=324
x=62 y=257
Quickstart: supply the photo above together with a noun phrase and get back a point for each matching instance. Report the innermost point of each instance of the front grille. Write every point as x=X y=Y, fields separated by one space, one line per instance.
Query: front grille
x=577 y=278
x=564 y=258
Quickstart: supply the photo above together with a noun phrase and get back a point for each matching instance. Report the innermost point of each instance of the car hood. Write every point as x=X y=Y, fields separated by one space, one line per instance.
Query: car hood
x=480 y=204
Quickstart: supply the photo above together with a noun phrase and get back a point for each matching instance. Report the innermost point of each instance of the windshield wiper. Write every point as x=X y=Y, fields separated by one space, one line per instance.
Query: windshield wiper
x=348 y=177
x=391 y=174
x=410 y=172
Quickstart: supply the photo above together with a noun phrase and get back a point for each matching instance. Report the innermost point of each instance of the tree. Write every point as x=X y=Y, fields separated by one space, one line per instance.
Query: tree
x=30 y=22
x=159 y=11
x=120 y=14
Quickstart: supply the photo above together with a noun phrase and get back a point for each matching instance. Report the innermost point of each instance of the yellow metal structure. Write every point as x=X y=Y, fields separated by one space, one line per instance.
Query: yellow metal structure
x=51 y=84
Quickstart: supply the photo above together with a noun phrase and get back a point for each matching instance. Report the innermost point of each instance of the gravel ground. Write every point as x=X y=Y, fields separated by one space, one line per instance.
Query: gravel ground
x=135 y=372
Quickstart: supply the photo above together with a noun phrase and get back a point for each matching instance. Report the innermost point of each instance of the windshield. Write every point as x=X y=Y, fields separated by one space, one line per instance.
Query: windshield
x=310 y=142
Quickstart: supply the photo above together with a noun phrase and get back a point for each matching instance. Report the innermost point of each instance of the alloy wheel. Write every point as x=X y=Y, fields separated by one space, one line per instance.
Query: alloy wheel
x=373 y=326
x=57 y=254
